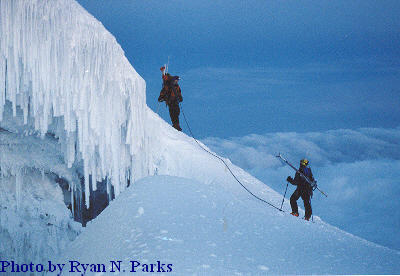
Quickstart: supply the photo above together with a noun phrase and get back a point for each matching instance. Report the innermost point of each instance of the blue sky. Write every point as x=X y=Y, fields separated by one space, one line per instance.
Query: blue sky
x=266 y=66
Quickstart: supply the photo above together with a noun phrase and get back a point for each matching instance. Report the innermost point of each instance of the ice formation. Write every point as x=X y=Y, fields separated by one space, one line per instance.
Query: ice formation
x=67 y=75
x=34 y=221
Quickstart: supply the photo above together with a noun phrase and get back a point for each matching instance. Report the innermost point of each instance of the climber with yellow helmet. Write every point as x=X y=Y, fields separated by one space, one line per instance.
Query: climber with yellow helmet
x=303 y=190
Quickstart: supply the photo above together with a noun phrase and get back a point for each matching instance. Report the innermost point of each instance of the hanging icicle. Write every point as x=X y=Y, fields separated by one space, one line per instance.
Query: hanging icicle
x=58 y=61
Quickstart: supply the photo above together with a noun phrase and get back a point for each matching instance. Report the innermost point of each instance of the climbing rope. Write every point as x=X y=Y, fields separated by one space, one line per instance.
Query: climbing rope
x=226 y=165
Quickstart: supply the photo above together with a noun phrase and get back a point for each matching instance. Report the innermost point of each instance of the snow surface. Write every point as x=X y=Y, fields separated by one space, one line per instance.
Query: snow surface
x=204 y=222
x=208 y=230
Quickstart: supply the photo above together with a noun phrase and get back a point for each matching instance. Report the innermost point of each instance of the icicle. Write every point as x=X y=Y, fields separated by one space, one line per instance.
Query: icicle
x=94 y=177
x=18 y=184
x=57 y=60
x=72 y=201
x=87 y=187
x=2 y=85
x=109 y=190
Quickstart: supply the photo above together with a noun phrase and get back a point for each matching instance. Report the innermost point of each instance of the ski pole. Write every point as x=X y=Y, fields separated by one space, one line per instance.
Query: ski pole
x=321 y=192
x=283 y=199
x=167 y=64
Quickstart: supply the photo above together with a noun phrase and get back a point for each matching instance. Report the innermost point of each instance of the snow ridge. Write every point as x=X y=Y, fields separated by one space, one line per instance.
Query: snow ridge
x=65 y=73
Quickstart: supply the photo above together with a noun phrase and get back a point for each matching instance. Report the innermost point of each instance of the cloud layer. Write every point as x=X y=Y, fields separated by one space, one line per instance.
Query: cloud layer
x=359 y=170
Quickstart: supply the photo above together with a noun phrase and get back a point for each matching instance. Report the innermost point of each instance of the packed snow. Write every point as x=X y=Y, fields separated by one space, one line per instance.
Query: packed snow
x=206 y=229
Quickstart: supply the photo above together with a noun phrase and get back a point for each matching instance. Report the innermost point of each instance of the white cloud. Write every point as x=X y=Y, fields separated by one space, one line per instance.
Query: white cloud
x=259 y=77
x=358 y=169
x=323 y=148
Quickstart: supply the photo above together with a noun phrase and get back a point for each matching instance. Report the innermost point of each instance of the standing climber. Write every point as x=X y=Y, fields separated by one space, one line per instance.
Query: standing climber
x=303 y=190
x=172 y=95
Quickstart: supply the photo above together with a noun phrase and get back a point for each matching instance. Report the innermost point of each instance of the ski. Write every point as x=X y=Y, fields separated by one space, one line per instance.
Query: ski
x=312 y=183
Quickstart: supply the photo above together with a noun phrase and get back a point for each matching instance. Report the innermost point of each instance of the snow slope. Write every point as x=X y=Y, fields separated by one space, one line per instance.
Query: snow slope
x=206 y=229
x=203 y=221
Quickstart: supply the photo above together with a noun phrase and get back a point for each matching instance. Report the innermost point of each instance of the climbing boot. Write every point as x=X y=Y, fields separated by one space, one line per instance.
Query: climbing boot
x=177 y=127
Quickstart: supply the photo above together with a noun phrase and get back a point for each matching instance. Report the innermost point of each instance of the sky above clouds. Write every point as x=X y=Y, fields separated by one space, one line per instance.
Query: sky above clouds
x=266 y=66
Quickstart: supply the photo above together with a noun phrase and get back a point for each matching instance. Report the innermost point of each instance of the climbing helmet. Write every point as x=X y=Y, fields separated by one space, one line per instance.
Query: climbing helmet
x=304 y=162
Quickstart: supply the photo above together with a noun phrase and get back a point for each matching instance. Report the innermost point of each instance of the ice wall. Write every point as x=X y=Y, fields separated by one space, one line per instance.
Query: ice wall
x=68 y=75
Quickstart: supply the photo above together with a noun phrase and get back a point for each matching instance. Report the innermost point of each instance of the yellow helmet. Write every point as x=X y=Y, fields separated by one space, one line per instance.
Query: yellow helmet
x=304 y=162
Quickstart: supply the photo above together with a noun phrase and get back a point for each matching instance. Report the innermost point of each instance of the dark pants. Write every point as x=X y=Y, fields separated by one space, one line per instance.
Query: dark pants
x=305 y=196
x=174 y=112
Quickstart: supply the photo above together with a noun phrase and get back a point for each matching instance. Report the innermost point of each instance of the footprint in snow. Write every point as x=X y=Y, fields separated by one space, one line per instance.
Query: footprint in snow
x=263 y=267
x=140 y=212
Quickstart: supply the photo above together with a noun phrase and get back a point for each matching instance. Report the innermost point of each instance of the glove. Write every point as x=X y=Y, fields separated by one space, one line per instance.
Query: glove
x=162 y=68
x=314 y=186
x=289 y=179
